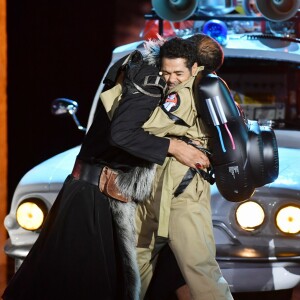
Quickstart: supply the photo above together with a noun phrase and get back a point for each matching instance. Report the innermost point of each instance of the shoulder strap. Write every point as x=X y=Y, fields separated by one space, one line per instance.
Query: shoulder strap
x=113 y=72
x=152 y=80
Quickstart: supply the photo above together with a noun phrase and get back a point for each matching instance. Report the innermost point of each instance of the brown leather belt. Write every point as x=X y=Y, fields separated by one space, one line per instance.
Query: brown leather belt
x=101 y=176
x=87 y=172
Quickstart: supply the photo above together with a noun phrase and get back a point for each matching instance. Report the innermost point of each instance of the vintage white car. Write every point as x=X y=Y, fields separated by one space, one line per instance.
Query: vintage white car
x=258 y=239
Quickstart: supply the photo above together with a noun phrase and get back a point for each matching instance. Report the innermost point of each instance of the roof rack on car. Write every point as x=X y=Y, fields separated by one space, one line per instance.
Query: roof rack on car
x=271 y=36
x=226 y=18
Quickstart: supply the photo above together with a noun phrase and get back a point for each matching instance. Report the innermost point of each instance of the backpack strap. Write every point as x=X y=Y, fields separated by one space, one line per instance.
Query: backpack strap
x=175 y=119
x=187 y=178
x=209 y=176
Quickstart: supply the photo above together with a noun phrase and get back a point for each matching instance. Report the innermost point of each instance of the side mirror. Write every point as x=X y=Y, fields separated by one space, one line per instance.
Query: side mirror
x=62 y=106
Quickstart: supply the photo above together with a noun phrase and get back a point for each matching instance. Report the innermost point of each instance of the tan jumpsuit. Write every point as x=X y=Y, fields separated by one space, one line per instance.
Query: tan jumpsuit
x=185 y=221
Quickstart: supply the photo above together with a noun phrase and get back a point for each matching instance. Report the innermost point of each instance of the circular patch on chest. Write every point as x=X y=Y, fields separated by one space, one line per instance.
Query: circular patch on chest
x=172 y=102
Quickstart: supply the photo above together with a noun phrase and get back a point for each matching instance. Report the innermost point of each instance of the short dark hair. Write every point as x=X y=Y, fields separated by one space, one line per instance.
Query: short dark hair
x=177 y=47
x=209 y=52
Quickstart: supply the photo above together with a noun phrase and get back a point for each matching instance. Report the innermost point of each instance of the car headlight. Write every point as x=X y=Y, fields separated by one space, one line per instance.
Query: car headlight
x=31 y=214
x=288 y=219
x=250 y=215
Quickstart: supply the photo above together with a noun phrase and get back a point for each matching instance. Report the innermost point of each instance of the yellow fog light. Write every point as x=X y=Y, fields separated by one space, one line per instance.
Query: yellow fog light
x=250 y=215
x=288 y=219
x=31 y=215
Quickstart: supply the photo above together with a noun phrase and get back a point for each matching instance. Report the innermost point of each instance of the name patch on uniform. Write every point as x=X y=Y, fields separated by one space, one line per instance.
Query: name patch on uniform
x=172 y=102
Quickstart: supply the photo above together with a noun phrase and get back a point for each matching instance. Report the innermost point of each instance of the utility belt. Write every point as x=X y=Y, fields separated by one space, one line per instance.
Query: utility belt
x=99 y=175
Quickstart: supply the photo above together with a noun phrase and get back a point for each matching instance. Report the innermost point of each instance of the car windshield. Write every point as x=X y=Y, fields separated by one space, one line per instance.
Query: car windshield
x=266 y=89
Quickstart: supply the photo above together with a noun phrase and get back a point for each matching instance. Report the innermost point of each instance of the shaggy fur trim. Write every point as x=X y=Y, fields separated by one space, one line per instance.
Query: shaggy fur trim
x=124 y=221
x=151 y=50
x=137 y=183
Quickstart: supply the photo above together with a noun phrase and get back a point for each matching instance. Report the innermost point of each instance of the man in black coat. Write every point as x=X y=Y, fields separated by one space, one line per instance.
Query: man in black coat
x=83 y=250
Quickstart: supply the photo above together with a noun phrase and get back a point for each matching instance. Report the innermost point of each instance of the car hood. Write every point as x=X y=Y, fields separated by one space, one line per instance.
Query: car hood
x=50 y=174
x=289 y=172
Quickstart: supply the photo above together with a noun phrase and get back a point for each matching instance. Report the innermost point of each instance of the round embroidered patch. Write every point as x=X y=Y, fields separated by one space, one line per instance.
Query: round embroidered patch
x=172 y=102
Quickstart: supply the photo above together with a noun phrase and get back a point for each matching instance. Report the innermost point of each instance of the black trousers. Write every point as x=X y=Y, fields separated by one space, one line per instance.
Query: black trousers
x=75 y=256
x=167 y=277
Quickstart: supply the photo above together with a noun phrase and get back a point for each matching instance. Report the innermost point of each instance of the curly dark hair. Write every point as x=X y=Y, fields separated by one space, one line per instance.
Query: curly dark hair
x=179 y=48
x=210 y=53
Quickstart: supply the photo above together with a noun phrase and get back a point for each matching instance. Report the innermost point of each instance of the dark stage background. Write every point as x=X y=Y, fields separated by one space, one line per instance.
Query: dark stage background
x=58 y=48
x=61 y=48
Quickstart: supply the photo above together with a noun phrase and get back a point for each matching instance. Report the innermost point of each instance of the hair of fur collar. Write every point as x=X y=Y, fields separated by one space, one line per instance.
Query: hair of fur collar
x=152 y=49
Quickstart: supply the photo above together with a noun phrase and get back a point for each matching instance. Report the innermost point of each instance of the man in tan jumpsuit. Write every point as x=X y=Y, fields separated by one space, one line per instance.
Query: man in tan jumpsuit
x=183 y=221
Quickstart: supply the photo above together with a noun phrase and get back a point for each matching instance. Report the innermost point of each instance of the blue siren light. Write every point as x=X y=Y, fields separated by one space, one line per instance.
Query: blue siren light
x=217 y=30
